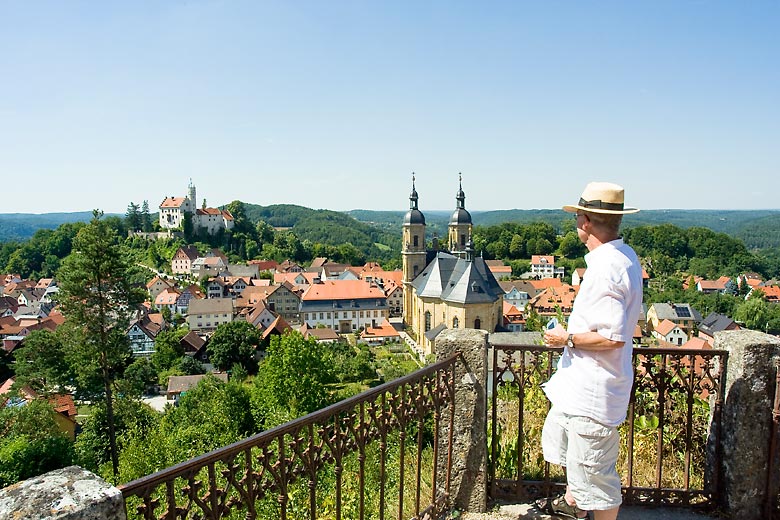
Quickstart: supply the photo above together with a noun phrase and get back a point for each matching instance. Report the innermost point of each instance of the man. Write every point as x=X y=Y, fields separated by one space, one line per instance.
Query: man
x=591 y=388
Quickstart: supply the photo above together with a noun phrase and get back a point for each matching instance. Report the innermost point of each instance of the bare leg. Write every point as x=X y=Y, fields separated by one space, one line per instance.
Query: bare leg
x=608 y=514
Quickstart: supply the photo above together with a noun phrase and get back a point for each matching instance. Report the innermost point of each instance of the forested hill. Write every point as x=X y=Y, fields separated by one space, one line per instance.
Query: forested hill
x=756 y=228
x=322 y=225
x=22 y=226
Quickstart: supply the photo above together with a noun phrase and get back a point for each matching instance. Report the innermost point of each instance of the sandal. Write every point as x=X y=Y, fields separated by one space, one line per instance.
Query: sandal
x=558 y=506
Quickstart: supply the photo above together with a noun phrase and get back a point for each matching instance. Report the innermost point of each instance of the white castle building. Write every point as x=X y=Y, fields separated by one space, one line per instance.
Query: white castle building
x=173 y=209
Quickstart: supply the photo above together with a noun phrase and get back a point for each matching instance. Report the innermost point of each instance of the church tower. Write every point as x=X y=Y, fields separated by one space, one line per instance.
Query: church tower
x=413 y=254
x=460 y=223
x=191 y=195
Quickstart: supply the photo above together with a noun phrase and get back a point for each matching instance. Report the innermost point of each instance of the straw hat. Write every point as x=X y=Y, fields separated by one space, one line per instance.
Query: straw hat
x=601 y=197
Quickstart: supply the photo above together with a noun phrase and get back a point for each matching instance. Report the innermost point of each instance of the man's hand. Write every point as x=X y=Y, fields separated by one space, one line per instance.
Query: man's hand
x=556 y=337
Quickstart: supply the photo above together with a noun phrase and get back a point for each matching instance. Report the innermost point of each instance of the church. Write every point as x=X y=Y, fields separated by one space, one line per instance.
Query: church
x=446 y=289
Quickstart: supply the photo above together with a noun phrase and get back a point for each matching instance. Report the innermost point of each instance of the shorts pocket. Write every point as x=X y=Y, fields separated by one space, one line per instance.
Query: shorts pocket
x=598 y=444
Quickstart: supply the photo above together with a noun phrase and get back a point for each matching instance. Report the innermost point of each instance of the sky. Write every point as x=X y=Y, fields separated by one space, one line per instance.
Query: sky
x=333 y=104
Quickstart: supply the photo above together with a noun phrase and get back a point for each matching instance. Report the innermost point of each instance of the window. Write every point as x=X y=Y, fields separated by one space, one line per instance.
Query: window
x=415 y=241
x=321 y=316
x=354 y=315
x=427 y=321
x=477 y=323
x=455 y=322
x=328 y=315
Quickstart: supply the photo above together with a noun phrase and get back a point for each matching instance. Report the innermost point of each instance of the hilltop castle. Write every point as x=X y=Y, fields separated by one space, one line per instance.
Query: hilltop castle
x=446 y=289
x=174 y=209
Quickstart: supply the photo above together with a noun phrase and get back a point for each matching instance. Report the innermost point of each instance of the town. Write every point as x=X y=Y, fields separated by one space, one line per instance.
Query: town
x=198 y=308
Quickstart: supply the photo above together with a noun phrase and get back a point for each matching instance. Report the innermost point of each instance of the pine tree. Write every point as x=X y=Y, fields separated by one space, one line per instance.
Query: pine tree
x=146 y=219
x=98 y=301
x=133 y=217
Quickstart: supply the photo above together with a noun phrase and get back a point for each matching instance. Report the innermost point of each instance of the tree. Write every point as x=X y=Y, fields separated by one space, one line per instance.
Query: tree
x=139 y=376
x=41 y=362
x=146 y=218
x=30 y=442
x=133 y=217
x=234 y=342
x=98 y=301
x=168 y=349
x=278 y=397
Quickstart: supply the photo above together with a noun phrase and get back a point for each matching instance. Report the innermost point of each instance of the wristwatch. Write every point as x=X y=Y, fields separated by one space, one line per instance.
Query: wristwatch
x=570 y=341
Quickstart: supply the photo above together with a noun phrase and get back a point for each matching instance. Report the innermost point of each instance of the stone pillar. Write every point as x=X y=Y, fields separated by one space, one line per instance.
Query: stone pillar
x=746 y=422
x=468 y=487
x=70 y=493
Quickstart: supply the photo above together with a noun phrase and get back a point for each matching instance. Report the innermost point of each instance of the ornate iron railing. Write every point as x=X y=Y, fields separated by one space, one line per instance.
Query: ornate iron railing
x=674 y=418
x=354 y=459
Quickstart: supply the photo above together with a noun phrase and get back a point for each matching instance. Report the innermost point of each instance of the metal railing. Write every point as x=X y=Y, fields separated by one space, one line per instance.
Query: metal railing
x=385 y=453
x=674 y=419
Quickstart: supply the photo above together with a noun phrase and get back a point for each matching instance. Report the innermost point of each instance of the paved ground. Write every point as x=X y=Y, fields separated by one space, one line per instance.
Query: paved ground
x=527 y=512
x=157 y=402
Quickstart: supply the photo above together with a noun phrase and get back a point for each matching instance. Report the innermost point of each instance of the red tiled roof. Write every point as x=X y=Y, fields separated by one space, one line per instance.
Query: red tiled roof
x=384 y=330
x=342 y=290
x=665 y=327
x=172 y=202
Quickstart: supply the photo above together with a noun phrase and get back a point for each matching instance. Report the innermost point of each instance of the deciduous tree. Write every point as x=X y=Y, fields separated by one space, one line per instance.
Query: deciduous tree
x=234 y=342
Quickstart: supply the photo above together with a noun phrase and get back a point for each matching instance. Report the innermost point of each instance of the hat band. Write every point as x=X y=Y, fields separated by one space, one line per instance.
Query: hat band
x=599 y=204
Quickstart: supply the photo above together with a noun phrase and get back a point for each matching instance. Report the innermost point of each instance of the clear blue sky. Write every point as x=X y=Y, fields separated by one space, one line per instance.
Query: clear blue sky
x=332 y=104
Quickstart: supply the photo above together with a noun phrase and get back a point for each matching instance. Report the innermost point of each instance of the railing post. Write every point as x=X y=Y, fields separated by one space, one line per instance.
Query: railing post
x=65 y=494
x=741 y=458
x=468 y=490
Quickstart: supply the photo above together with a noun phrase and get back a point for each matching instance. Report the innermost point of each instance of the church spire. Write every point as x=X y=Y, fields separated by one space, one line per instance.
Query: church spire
x=413 y=196
x=460 y=197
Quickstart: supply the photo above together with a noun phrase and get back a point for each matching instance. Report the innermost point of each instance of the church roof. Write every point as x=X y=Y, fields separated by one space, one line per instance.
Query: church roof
x=458 y=280
x=414 y=216
x=460 y=216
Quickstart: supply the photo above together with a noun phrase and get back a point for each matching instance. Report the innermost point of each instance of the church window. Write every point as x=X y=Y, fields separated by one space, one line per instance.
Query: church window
x=416 y=268
x=455 y=322
x=415 y=241
x=427 y=321
x=463 y=240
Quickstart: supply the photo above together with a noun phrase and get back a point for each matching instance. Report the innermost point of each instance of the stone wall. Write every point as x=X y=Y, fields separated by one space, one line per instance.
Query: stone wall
x=468 y=486
x=746 y=422
x=70 y=493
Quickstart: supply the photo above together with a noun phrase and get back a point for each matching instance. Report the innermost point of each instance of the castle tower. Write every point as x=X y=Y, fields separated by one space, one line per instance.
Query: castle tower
x=460 y=223
x=192 y=196
x=413 y=253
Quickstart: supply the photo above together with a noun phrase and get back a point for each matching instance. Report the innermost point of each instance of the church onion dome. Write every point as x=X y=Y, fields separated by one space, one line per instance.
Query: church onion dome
x=460 y=216
x=414 y=216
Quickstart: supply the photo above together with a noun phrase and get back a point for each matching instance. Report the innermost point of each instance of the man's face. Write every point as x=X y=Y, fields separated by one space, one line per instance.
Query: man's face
x=582 y=222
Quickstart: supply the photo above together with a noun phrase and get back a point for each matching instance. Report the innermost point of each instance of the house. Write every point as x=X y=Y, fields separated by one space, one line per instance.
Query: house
x=713 y=323
x=208 y=314
x=714 y=286
x=285 y=300
x=577 y=276
x=167 y=299
x=269 y=266
x=343 y=305
x=288 y=266
x=63 y=405
x=543 y=266
x=770 y=293
x=395 y=298
x=515 y=292
x=554 y=300
x=208 y=266
x=681 y=314
x=500 y=270
x=142 y=333
x=183 y=259
x=157 y=285
x=279 y=327
x=320 y=334
x=178 y=385
x=193 y=345
x=513 y=318
x=189 y=293
x=670 y=332
x=384 y=333
x=261 y=316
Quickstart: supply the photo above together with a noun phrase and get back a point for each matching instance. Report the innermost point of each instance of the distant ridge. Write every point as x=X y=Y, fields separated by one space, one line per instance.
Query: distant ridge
x=756 y=228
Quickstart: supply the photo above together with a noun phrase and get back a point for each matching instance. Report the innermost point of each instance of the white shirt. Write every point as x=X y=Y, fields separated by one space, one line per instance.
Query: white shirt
x=597 y=383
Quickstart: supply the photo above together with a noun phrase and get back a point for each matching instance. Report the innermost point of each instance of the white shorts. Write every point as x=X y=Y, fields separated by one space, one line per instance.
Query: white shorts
x=589 y=451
